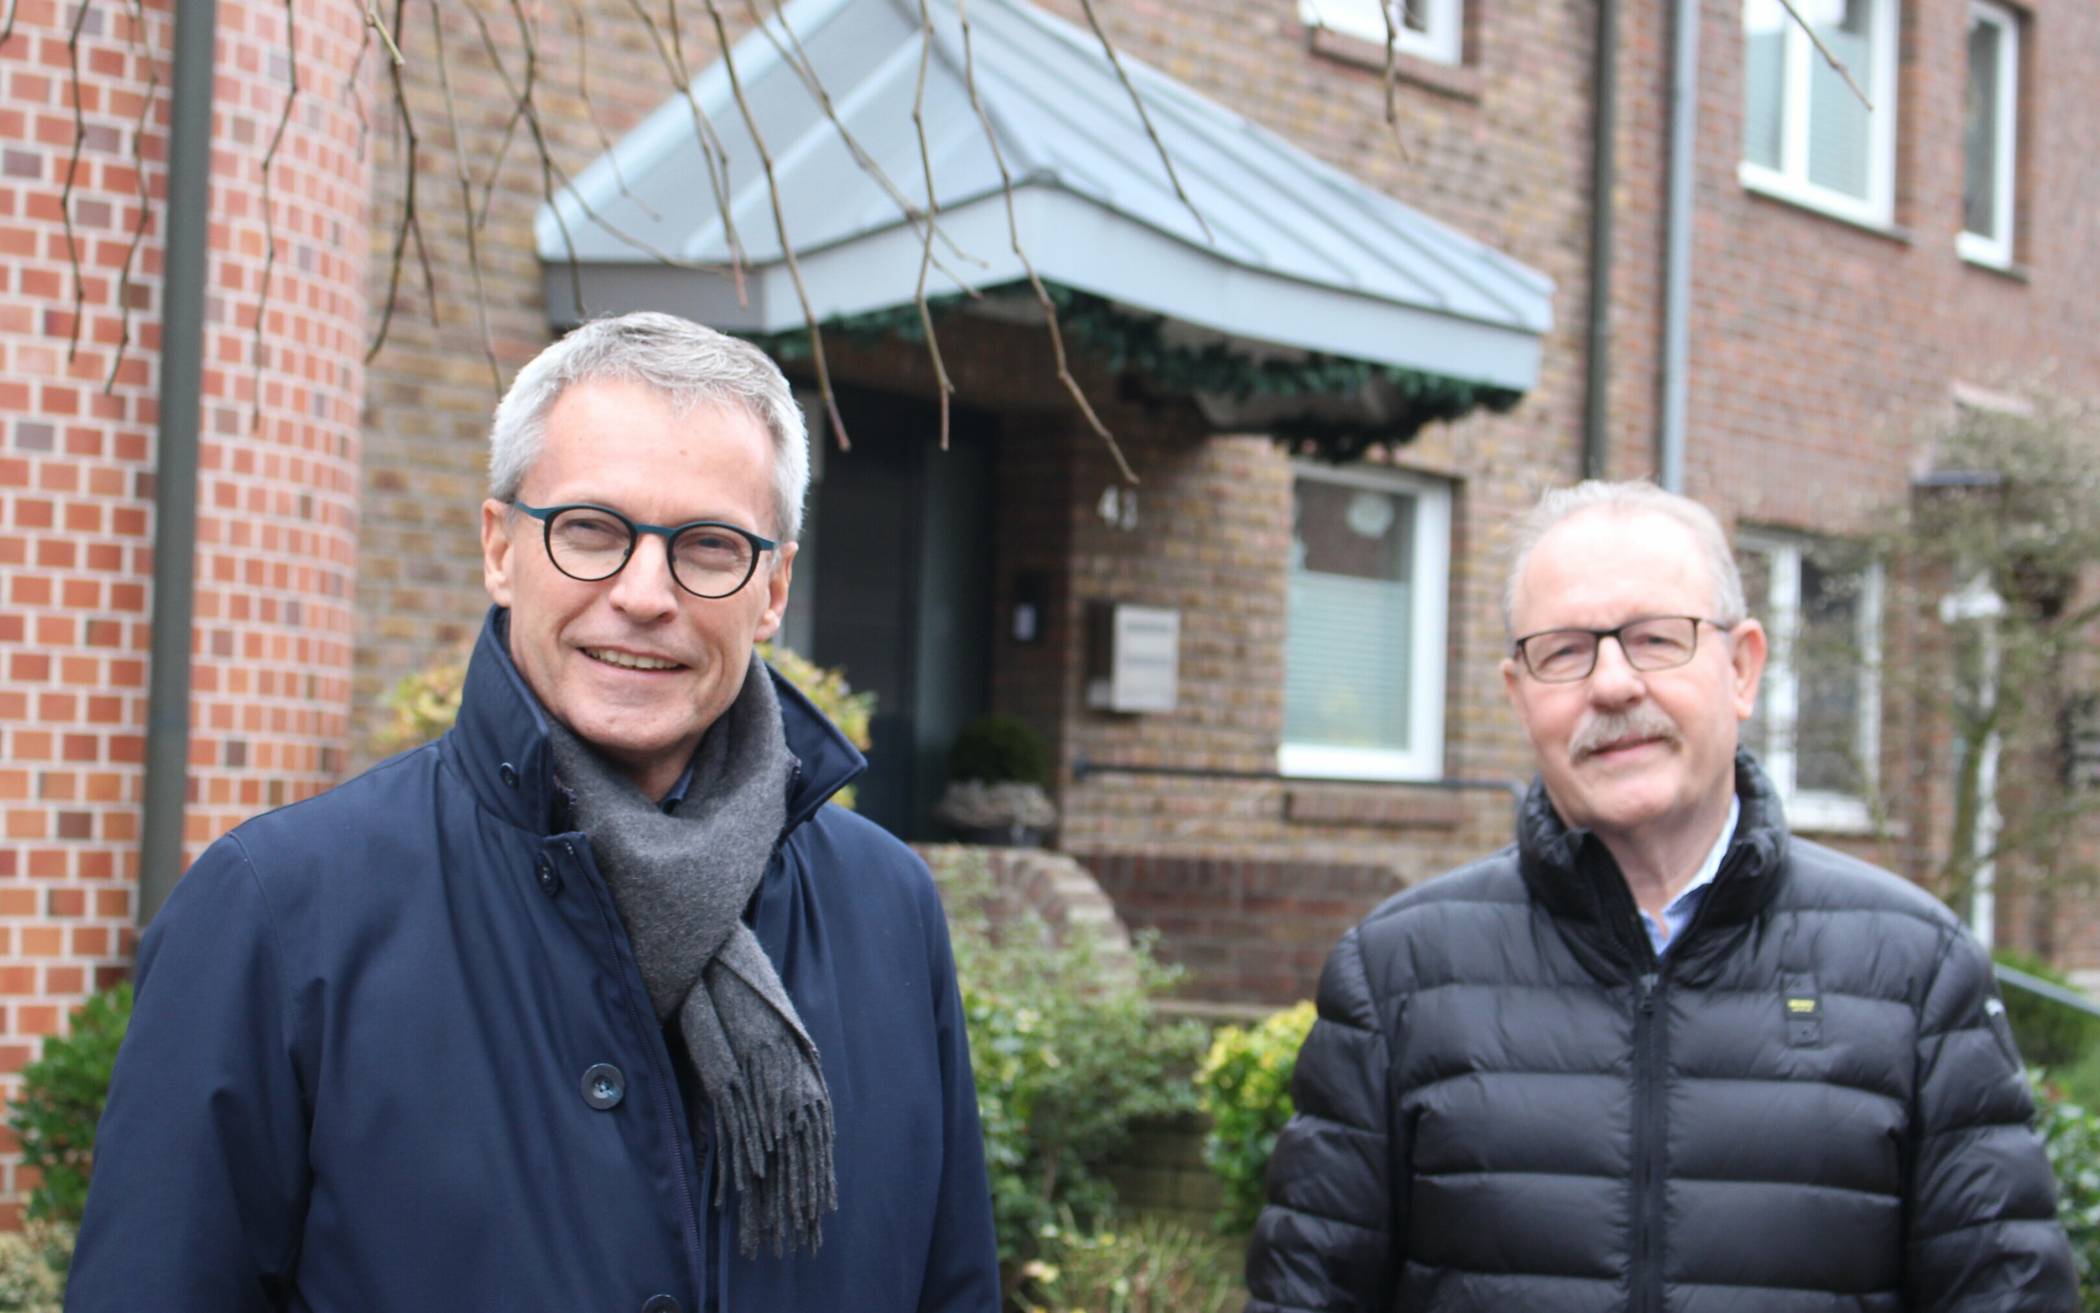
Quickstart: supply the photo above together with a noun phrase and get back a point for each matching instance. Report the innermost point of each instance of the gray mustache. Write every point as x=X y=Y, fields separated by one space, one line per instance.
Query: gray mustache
x=1606 y=728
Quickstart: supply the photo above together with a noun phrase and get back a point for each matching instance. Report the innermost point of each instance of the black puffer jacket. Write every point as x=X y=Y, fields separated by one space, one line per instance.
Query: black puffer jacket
x=1812 y=1102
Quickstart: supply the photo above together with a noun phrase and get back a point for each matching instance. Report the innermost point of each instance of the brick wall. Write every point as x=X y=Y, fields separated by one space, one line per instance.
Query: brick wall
x=276 y=493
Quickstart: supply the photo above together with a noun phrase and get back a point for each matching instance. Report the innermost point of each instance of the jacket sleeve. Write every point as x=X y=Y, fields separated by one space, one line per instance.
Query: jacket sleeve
x=962 y=1261
x=1983 y=1233
x=1325 y=1242
x=200 y=1181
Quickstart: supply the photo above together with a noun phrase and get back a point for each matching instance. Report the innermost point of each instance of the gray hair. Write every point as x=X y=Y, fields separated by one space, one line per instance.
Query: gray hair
x=688 y=364
x=1560 y=504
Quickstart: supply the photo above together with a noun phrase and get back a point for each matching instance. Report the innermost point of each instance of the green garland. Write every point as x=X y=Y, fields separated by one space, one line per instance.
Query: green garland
x=1135 y=346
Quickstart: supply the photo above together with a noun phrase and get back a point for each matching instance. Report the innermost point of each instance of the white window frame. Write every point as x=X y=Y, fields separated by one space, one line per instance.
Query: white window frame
x=1996 y=249
x=1814 y=809
x=1431 y=554
x=1790 y=180
x=1443 y=41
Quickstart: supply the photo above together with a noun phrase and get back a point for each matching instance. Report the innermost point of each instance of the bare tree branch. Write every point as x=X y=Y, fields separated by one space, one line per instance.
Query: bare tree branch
x=520 y=98
x=1824 y=51
x=466 y=202
x=269 y=161
x=409 y=223
x=65 y=195
x=1391 y=78
x=1013 y=228
x=712 y=151
x=138 y=180
x=1116 y=61
x=787 y=246
x=7 y=23
x=798 y=59
x=933 y=205
x=350 y=79
x=374 y=23
x=583 y=92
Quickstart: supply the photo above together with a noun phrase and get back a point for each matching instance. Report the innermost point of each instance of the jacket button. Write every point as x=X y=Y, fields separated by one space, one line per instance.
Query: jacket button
x=550 y=883
x=509 y=774
x=603 y=1088
x=660 y=1304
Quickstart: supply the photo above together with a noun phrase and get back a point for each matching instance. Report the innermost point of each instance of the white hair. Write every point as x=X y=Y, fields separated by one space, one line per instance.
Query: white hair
x=688 y=364
x=1634 y=497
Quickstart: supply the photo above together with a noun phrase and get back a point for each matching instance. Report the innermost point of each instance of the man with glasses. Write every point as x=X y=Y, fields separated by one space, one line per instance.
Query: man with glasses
x=593 y=1004
x=1659 y=1054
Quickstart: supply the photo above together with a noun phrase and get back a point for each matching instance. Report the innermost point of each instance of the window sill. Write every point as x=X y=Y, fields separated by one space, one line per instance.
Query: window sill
x=2009 y=269
x=1758 y=184
x=1838 y=817
x=1457 y=80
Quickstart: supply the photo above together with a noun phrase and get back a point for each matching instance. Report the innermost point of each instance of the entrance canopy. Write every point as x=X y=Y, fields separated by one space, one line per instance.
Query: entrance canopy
x=1298 y=255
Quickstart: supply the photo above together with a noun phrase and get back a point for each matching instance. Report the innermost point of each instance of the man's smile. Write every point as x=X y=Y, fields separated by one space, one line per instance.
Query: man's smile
x=613 y=656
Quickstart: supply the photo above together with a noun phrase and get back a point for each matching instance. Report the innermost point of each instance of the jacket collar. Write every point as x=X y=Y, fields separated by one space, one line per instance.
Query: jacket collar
x=1572 y=875
x=499 y=742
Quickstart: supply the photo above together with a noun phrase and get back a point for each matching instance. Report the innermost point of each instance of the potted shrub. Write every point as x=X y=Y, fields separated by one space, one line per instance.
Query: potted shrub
x=998 y=778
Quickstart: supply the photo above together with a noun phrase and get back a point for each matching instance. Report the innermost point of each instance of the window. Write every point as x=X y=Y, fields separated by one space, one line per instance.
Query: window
x=1364 y=641
x=1427 y=29
x=1988 y=128
x=1805 y=135
x=1818 y=723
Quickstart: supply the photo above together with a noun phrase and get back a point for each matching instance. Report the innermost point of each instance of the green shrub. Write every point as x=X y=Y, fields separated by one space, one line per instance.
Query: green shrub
x=1068 y=1052
x=1244 y=1088
x=995 y=749
x=1143 y=1265
x=2050 y=1035
x=2072 y=1137
x=33 y=1268
x=423 y=703
x=62 y=1096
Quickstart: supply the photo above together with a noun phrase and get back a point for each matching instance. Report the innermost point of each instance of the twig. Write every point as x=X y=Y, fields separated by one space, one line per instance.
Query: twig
x=1116 y=62
x=7 y=24
x=519 y=99
x=1392 y=79
x=933 y=207
x=466 y=201
x=138 y=179
x=409 y=222
x=539 y=141
x=590 y=109
x=1824 y=51
x=65 y=195
x=798 y=59
x=373 y=22
x=787 y=246
x=350 y=85
x=1013 y=228
x=712 y=151
x=269 y=160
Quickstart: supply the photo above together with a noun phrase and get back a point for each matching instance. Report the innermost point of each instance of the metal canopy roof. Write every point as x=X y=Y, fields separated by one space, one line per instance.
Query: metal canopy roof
x=1300 y=254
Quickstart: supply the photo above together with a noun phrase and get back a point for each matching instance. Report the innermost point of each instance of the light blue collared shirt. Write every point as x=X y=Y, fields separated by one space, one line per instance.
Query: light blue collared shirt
x=1685 y=905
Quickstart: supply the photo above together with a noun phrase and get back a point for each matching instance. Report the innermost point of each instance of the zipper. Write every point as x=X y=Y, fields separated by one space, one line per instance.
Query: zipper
x=1648 y=1143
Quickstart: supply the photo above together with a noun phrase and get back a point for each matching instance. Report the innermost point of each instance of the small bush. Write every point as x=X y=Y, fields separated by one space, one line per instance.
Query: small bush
x=2072 y=1137
x=33 y=1268
x=995 y=749
x=2050 y=1035
x=1144 y=1265
x=424 y=703
x=1244 y=1088
x=1068 y=1053
x=63 y=1093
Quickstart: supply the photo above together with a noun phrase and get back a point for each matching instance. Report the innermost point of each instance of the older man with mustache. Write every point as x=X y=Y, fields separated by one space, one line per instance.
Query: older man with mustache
x=1658 y=1055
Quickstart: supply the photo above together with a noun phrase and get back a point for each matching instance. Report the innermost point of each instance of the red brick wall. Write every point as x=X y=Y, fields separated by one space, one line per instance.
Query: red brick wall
x=276 y=493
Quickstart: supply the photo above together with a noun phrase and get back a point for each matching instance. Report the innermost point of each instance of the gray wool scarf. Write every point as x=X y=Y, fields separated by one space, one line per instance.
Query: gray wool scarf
x=681 y=880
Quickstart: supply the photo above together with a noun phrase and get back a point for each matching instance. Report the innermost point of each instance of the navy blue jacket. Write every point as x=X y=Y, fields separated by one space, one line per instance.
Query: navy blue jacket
x=355 y=1081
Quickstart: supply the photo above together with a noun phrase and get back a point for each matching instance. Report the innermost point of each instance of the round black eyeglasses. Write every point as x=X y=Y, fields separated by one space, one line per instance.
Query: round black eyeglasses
x=589 y=543
x=1654 y=642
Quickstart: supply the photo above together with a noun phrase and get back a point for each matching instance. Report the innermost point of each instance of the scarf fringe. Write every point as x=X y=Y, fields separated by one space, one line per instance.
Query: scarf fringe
x=775 y=1127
